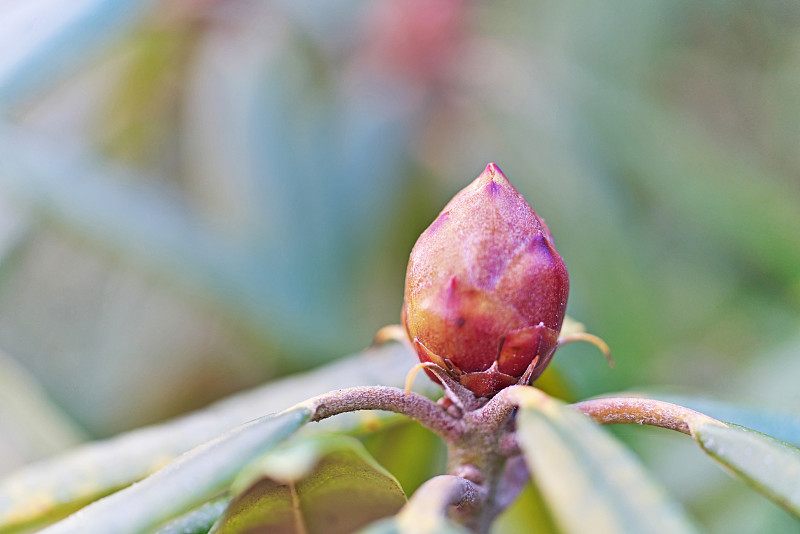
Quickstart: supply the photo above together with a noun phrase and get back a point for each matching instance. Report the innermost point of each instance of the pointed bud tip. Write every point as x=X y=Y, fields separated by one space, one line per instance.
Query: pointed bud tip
x=493 y=175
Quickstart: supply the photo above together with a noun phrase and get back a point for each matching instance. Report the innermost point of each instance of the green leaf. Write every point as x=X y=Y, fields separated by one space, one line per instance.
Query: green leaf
x=319 y=486
x=590 y=481
x=129 y=216
x=528 y=513
x=768 y=465
x=198 y=521
x=410 y=451
x=191 y=480
x=57 y=486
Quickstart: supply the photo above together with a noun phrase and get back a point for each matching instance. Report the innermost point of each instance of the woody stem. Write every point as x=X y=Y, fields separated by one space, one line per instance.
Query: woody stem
x=390 y=399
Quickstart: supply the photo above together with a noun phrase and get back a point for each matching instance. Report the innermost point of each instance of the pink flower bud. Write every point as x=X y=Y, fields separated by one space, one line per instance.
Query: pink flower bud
x=485 y=288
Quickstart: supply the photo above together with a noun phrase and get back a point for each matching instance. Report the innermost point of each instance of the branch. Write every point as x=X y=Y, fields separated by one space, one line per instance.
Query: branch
x=411 y=404
x=605 y=411
x=614 y=410
x=496 y=412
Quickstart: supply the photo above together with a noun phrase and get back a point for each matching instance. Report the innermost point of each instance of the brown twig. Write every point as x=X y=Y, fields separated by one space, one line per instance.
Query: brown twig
x=411 y=404
x=616 y=410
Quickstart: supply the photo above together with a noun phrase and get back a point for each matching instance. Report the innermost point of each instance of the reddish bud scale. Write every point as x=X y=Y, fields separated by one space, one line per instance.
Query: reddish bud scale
x=486 y=290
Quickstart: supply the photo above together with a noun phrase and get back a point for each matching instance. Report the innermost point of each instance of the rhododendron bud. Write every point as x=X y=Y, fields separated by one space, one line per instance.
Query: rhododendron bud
x=486 y=290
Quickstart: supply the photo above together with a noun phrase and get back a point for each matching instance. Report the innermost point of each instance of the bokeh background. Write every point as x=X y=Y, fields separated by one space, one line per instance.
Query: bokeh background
x=197 y=196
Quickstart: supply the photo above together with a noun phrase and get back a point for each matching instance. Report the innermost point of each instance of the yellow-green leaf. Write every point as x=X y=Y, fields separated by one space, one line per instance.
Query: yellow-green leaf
x=590 y=482
x=198 y=521
x=770 y=466
x=767 y=464
x=52 y=488
x=320 y=486
x=186 y=483
x=528 y=513
x=410 y=451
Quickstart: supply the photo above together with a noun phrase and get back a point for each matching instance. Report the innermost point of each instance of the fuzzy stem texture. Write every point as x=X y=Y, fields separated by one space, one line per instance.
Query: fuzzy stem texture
x=615 y=410
x=478 y=443
x=411 y=404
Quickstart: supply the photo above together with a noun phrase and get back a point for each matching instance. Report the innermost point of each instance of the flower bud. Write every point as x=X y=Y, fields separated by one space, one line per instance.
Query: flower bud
x=485 y=289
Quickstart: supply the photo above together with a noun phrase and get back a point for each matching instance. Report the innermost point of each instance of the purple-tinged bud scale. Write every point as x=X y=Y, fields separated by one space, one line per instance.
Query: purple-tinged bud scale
x=486 y=290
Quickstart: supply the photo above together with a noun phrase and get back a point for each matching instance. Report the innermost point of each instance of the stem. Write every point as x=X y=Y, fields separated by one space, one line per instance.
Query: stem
x=484 y=449
x=613 y=410
x=515 y=477
x=605 y=411
x=390 y=399
x=495 y=413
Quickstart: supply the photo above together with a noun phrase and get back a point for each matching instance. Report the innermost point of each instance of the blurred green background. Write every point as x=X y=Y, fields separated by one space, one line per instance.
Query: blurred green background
x=199 y=195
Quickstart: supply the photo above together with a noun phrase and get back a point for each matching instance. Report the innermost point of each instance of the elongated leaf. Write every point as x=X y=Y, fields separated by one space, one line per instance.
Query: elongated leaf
x=109 y=206
x=198 y=521
x=319 y=486
x=185 y=483
x=279 y=124
x=42 y=39
x=771 y=466
x=124 y=213
x=590 y=481
x=54 y=487
x=768 y=465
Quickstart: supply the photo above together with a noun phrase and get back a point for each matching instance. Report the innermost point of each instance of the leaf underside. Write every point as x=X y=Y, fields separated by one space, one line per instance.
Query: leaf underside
x=48 y=490
x=193 y=479
x=770 y=466
x=342 y=490
x=590 y=481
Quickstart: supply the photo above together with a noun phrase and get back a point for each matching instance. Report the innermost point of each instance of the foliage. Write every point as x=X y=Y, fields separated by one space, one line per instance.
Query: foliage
x=325 y=483
x=198 y=196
